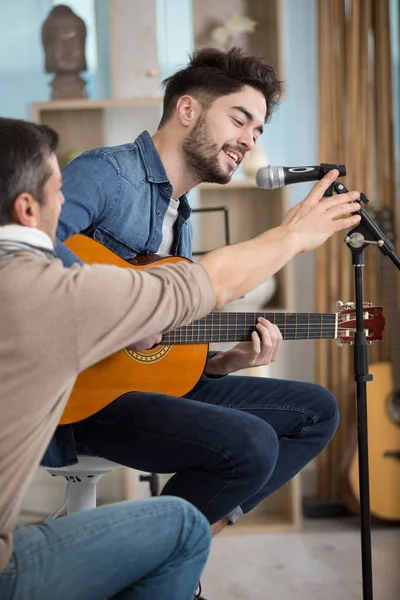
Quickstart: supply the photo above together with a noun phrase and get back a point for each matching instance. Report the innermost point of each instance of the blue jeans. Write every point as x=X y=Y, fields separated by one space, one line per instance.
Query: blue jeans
x=142 y=550
x=231 y=442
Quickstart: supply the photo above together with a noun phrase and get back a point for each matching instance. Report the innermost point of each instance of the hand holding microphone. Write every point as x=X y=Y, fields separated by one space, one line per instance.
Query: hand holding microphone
x=316 y=218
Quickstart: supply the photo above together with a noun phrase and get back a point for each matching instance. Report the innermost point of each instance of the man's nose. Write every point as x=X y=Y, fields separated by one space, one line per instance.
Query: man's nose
x=246 y=140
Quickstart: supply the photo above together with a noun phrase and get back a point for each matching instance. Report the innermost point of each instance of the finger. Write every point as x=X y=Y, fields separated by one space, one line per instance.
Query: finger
x=271 y=327
x=266 y=332
x=277 y=345
x=321 y=186
x=343 y=210
x=278 y=334
x=255 y=338
x=346 y=223
x=275 y=337
x=337 y=200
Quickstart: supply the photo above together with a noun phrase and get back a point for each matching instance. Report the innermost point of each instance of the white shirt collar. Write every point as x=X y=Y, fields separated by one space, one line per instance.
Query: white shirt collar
x=26 y=235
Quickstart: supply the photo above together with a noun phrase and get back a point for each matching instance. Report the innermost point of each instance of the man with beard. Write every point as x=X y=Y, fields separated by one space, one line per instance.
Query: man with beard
x=231 y=441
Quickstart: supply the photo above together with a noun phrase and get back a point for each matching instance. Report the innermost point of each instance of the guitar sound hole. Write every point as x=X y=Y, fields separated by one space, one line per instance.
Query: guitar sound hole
x=394 y=407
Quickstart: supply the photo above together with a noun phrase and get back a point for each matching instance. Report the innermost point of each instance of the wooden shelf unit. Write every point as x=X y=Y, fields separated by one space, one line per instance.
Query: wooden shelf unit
x=85 y=124
x=279 y=512
x=82 y=104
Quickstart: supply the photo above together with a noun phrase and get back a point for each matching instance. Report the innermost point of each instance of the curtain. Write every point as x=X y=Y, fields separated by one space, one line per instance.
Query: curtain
x=355 y=128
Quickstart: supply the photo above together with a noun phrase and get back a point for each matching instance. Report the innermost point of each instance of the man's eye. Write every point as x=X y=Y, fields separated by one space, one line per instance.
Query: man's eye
x=237 y=121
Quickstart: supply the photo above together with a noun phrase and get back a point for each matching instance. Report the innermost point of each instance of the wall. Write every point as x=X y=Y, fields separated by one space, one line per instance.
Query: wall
x=301 y=148
x=22 y=71
x=22 y=77
x=296 y=126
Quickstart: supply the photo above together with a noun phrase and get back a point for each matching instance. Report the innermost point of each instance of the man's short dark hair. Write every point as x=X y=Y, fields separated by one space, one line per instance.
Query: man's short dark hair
x=24 y=148
x=212 y=73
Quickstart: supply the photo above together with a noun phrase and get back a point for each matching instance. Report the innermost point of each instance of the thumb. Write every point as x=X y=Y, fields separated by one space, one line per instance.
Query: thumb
x=321 y=186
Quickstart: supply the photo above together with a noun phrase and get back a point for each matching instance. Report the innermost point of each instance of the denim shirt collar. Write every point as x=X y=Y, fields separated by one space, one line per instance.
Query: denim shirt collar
x=155 y=169
x=151 y=159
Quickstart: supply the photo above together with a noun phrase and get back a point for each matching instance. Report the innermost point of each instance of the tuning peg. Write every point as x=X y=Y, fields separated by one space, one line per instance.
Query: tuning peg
x=339 y=342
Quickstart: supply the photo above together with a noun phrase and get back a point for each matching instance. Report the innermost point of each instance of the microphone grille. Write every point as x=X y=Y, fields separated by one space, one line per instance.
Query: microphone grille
x=270 y=178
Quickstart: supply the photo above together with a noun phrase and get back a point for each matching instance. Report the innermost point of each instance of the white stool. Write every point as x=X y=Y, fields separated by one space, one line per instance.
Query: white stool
x=81 y=482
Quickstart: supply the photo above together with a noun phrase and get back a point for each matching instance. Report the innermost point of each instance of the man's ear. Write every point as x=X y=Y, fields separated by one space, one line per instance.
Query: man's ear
x=26 y=211
x=187 y=110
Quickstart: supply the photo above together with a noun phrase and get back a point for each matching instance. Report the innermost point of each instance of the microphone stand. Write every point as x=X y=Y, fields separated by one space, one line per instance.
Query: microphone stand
x=367 y=232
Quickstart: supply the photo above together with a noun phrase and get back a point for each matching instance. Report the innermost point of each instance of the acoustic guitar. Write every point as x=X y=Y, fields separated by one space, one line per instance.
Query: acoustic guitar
x=383 y=404
x=175 y=365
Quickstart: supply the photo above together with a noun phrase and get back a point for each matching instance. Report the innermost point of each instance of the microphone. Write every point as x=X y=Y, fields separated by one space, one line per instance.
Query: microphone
x=270 y=178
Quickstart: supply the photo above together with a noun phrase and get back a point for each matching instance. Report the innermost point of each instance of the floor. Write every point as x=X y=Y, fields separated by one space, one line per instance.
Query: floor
x=323 y=562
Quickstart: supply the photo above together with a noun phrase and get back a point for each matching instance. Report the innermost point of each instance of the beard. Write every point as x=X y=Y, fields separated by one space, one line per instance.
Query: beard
x=201 y=154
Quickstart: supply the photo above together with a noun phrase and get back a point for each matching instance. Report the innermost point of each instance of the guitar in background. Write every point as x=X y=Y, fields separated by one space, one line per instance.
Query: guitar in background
x=383 y=405
x=175 y=366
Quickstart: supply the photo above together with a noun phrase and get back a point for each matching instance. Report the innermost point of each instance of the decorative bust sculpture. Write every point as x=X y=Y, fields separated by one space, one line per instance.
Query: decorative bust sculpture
x=64 y=37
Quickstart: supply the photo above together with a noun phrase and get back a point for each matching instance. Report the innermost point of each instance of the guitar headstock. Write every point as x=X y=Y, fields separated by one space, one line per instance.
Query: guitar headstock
x=373 y=320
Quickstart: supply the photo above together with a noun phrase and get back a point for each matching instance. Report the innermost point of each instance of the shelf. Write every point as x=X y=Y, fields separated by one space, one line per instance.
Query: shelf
x=82 y=104
x=85 y=124
x=279 y=512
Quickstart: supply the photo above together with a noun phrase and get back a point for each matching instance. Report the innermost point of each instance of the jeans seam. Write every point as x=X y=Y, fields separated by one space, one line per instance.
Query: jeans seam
x=287 y=408
x=293 y=472
x=163 y=435
x=95 y=528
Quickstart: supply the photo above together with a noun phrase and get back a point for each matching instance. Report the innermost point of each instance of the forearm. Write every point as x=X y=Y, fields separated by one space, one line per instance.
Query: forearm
x=116 y=307
x=237 y=269
x=217 y=365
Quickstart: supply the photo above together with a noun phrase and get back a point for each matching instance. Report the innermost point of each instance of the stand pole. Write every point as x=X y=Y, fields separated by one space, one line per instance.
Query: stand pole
x=367 y=232
x=361 y=377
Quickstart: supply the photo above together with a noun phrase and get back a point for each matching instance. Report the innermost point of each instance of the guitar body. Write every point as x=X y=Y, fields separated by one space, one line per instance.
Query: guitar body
x=383 y=437
x=152 y=370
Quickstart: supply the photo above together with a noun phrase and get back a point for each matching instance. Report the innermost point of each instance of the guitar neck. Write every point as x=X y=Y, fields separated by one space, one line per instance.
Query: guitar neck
x=238 y=327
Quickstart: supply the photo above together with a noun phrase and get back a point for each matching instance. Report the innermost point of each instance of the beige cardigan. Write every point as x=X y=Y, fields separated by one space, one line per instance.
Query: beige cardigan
x=56 y=322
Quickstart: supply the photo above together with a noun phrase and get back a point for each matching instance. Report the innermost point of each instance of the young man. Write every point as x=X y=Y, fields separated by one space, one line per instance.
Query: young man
x=231 y=441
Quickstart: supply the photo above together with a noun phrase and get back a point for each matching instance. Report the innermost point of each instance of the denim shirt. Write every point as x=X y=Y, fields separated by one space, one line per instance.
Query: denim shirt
x=117 y=196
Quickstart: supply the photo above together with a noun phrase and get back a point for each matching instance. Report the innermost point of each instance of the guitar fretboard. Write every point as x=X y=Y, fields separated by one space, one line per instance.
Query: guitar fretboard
x=238 y=327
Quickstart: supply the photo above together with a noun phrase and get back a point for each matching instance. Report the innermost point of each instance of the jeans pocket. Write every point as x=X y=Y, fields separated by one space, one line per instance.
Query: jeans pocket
x=8 y=580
